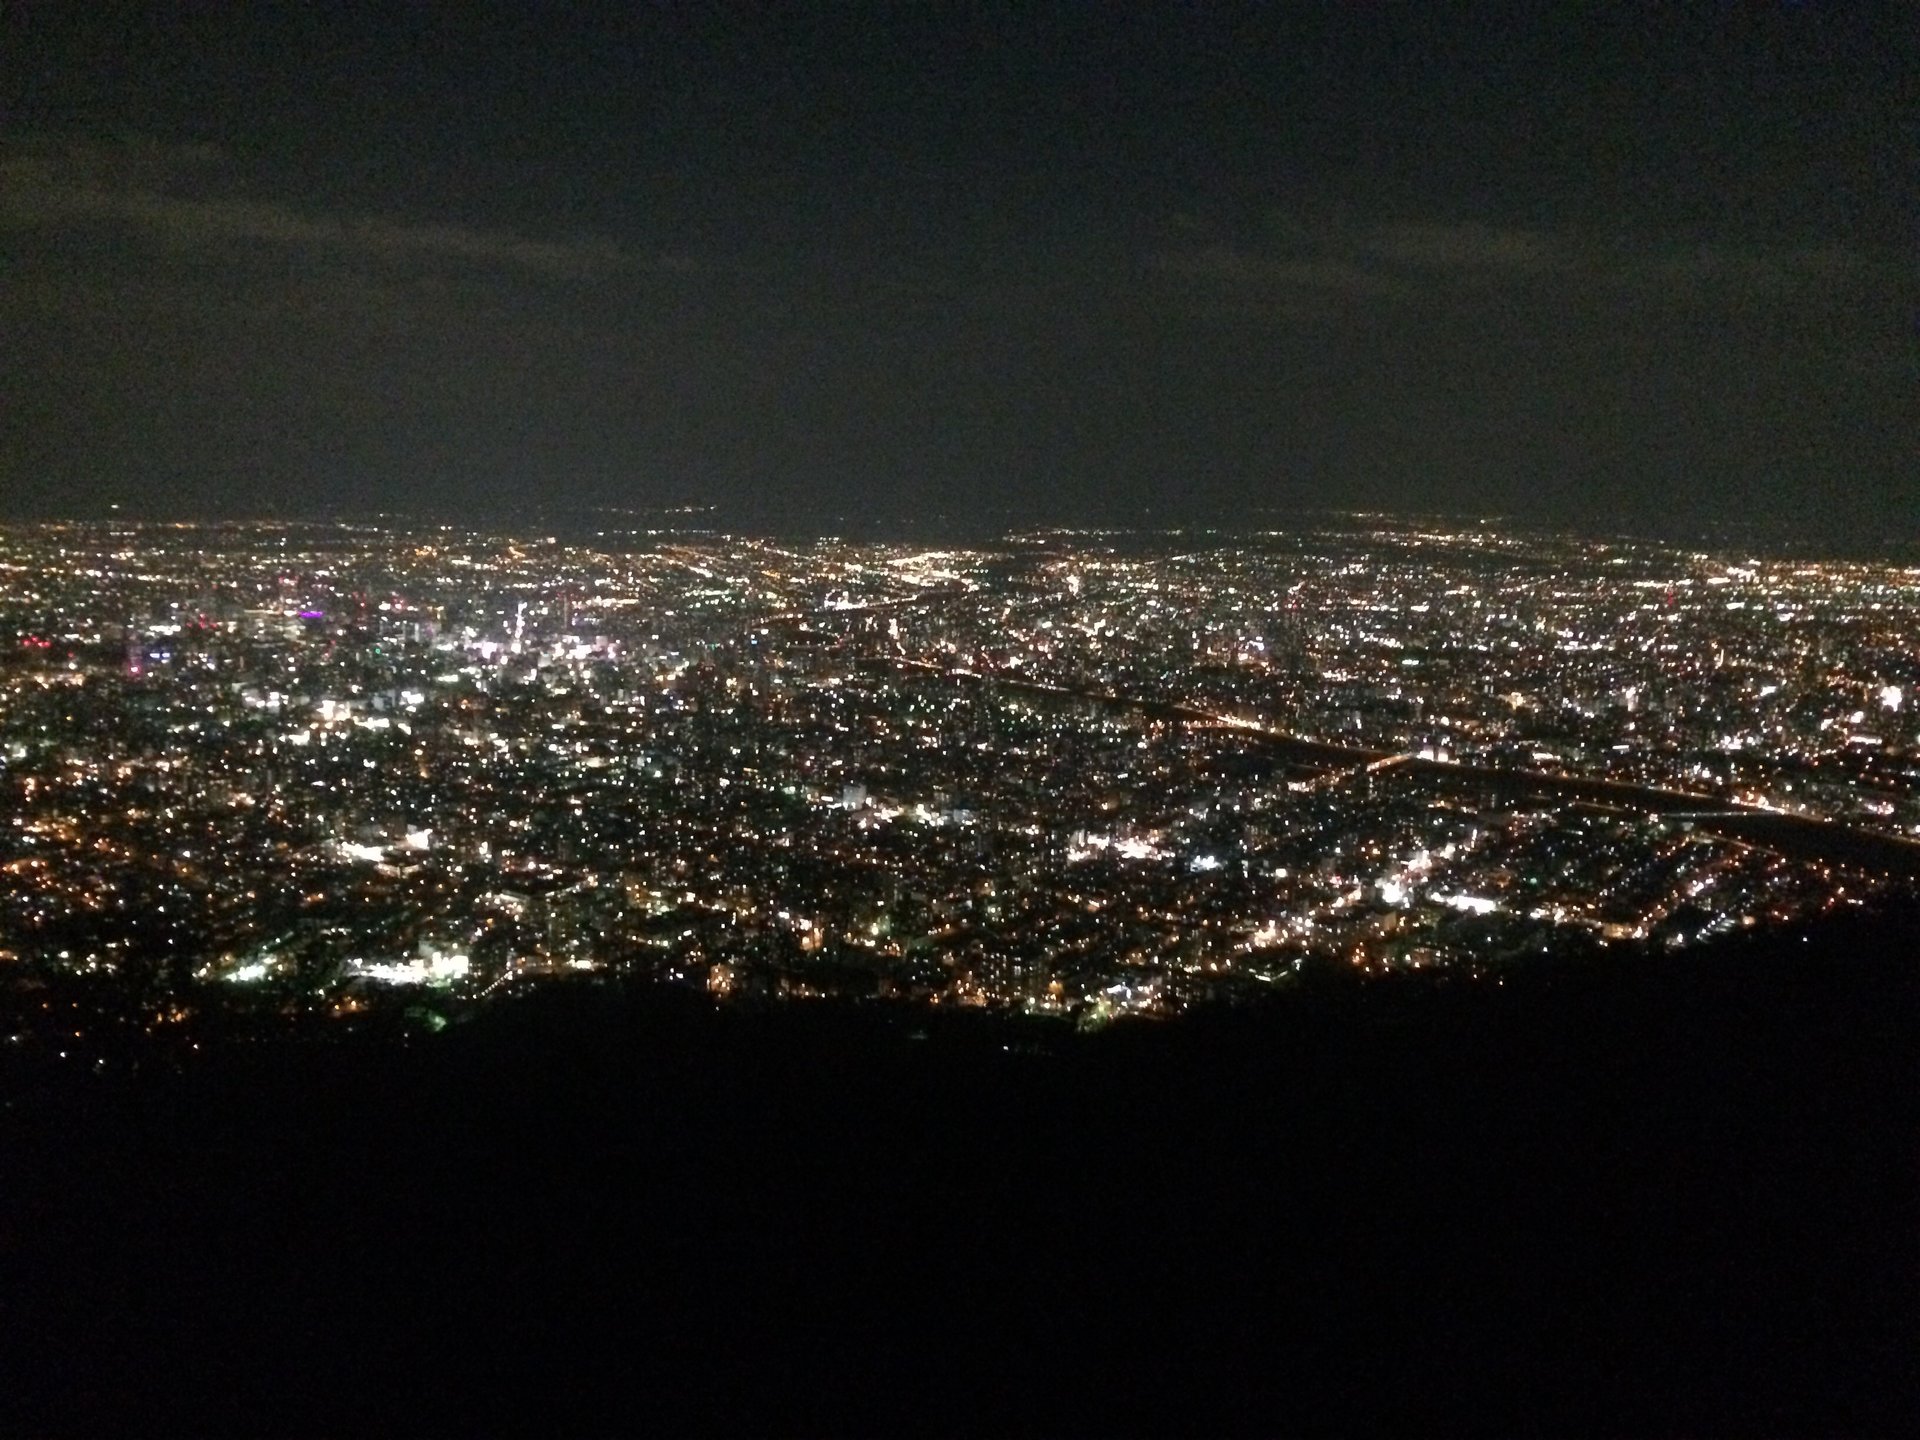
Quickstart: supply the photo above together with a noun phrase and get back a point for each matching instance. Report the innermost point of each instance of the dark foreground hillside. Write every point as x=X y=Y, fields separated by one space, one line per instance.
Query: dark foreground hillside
x=1674 y=1197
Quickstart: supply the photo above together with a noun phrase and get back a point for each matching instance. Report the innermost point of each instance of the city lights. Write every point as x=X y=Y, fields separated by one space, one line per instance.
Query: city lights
x=1113 y=773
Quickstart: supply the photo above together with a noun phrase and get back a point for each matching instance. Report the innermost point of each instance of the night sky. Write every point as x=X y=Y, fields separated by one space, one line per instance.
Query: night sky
x=1619 y=265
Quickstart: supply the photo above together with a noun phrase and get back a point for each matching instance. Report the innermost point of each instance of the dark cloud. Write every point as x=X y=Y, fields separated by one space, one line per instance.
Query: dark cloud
x=1472 y=246
x=1421 y=261
x=1273 y=275
x=137 y=186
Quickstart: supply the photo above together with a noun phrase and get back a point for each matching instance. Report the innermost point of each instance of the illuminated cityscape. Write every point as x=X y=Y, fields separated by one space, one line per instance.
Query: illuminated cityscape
x=312 y=777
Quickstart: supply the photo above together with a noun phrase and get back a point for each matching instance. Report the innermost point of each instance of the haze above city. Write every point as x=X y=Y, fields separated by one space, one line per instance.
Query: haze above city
x=1640 y=269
